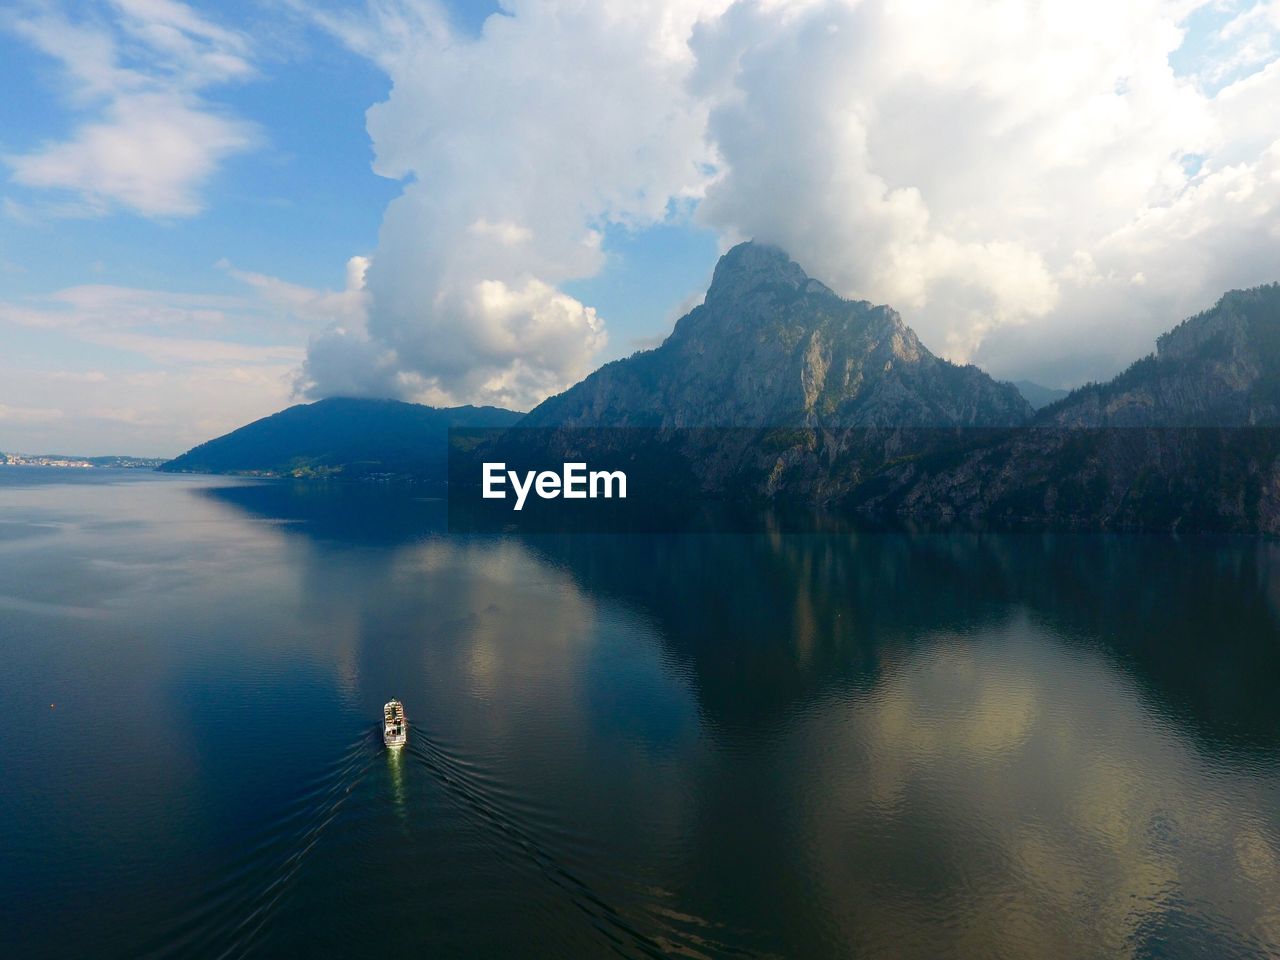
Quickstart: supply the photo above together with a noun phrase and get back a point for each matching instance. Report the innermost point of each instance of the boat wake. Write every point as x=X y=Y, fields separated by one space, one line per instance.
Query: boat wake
x=673 y=933
x=229 y=911
x=230 y=915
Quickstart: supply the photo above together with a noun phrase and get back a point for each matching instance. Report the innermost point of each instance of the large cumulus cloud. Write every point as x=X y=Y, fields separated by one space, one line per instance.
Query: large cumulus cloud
x=517 y=148
x=1034 y=186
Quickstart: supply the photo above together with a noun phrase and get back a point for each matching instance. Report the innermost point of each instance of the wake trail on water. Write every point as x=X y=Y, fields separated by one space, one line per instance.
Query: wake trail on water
x=458 y=777
x=228 y=918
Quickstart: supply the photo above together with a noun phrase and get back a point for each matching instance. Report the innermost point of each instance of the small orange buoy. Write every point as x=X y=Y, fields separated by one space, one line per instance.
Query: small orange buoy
x=52 y=705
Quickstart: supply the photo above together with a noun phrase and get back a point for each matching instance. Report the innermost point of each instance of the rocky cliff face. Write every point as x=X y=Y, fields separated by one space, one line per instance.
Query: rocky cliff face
x=771 y=347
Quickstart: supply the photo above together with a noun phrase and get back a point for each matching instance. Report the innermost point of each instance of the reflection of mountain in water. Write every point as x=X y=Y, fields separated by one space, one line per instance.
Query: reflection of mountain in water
x=836 y=744
x=1193 y=619
x=367 y=513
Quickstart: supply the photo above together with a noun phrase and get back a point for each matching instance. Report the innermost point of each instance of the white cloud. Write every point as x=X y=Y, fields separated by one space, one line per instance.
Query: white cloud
x=307 y=306
x=157 y=412
x=959 y=160
x=1034 y=187
x=517 y=147
x=194 y=350
x=170 y=369
x=1000 y=173
x=138 y=69
x=102 y=307
x=9 y=414
x=1247 y=41
x=507 y=233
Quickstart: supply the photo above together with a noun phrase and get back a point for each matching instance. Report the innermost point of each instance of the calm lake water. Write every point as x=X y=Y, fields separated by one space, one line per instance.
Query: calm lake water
x=872 y=745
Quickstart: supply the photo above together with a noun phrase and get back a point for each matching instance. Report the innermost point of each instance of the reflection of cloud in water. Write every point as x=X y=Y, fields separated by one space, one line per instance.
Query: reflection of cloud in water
x=515 y=619
x=51 y=609
x=1048 y=809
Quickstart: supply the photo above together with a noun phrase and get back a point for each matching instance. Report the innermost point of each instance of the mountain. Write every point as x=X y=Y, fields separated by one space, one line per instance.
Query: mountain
x=773 y=387
x=839 y=405
x=771 y=347
x=1038 y=395
x=1220 y=368
x=1185 y=439
x=341 y=437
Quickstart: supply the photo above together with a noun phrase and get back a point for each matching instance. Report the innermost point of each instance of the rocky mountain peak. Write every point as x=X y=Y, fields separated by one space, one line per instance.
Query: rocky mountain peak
x=750 y=266
x=770 y=346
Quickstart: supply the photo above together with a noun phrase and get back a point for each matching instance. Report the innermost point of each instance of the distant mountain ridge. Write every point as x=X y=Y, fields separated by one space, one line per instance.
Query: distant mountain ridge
x=341 y=437
x=1039 y=395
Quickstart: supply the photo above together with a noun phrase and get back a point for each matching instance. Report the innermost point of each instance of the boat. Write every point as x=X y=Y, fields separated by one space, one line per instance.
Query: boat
x=395 y=728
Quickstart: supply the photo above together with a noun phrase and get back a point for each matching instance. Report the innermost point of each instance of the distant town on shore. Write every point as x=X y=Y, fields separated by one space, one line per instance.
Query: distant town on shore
x=88 y=463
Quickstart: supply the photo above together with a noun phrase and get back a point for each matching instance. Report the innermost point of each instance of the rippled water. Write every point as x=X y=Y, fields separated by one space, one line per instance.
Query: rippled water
x=873 y=745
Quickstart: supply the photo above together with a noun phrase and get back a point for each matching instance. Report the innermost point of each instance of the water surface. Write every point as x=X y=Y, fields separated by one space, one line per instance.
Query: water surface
x=843 y=745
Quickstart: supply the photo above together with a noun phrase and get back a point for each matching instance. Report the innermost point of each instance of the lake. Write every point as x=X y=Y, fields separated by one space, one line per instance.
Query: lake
x=773 y=745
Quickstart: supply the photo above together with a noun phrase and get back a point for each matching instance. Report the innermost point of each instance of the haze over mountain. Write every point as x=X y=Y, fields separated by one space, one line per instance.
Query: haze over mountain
x=1039 y=395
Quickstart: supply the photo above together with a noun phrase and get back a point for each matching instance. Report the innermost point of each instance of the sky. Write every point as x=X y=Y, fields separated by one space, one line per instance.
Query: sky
x=210 y=211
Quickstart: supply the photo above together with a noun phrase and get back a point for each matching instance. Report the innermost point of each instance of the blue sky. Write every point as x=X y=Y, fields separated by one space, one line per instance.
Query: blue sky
x=202 y=220
x=295 y=206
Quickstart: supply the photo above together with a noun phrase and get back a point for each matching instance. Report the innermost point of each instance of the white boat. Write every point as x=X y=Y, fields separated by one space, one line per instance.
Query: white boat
x=395 y=728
